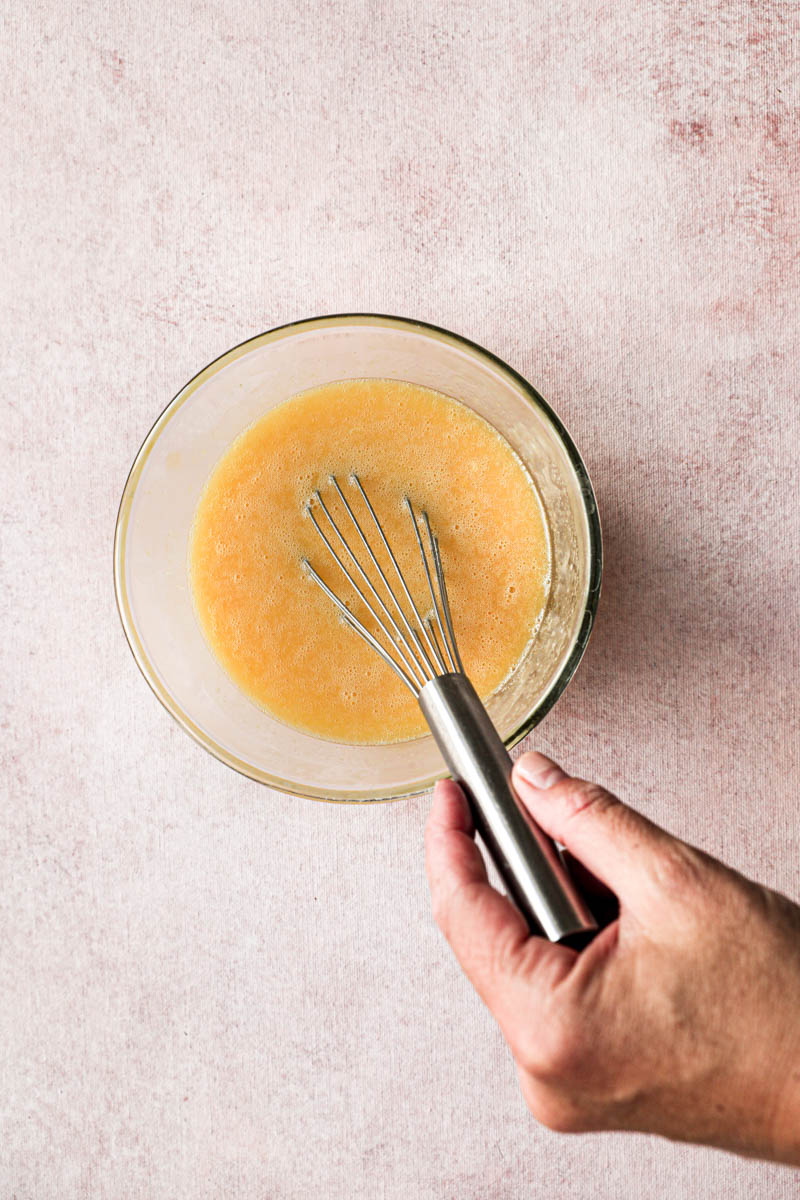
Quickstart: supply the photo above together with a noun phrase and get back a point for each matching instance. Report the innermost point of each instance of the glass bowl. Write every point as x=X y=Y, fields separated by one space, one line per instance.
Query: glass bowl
x=171 y=469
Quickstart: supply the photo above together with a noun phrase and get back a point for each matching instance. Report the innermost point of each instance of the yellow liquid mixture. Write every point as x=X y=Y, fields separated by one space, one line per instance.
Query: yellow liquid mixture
x=269 y=624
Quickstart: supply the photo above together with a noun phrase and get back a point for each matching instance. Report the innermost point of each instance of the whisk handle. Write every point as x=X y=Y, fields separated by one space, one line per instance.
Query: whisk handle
x=528 y=861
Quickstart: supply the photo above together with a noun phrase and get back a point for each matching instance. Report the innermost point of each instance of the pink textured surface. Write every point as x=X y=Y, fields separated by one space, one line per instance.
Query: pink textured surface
x=210 y=990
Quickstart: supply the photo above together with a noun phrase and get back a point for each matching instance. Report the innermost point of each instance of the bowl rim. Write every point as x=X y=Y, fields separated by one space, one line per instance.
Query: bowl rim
x=278 y=332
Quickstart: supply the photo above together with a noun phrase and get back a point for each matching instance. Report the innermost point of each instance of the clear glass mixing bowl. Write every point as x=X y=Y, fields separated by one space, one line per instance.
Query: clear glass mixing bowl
x=173 y=464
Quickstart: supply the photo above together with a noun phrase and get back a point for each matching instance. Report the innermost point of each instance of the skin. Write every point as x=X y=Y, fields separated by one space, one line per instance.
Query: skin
x=681 y=1018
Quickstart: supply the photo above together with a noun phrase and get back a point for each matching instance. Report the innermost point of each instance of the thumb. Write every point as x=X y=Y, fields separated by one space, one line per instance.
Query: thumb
x=618 y=845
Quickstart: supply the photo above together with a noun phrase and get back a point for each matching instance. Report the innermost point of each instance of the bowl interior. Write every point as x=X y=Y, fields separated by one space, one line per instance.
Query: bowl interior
x=173 y=465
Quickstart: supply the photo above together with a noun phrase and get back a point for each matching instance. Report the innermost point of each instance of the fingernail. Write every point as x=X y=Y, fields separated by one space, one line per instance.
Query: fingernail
x=539 y=770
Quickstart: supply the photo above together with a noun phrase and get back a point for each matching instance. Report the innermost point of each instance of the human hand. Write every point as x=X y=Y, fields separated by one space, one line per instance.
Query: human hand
x=681 y=1018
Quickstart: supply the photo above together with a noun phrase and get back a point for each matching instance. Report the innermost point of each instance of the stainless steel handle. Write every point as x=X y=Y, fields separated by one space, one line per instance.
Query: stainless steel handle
x=527 y=860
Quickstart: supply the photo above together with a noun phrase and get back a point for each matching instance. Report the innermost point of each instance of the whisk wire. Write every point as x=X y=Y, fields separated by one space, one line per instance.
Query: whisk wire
x=362 y=631
x=421 y=661
x=409 y=662
x=417 y=664
x=397 y=641
x=424 y=557
x=437 y=560
x=428 y=663
x=442 y=605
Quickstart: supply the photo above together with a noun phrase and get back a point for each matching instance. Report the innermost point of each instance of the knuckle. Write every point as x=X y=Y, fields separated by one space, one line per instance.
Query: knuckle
x=554 y=1110
x=553 y=1053
x=588 y=796
x=439 y=910
x=681 y=870
x=446 y=903
x=442 y=909
x=563 y=1117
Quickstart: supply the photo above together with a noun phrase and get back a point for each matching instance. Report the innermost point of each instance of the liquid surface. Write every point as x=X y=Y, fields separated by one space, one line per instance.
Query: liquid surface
x=272 y=628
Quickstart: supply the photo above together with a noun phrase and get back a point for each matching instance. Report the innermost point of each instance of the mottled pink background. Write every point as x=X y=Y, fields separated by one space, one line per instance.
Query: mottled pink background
x=209 y=990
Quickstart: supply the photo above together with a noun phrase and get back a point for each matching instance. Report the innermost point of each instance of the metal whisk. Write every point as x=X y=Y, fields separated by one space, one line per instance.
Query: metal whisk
x=420 y=647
